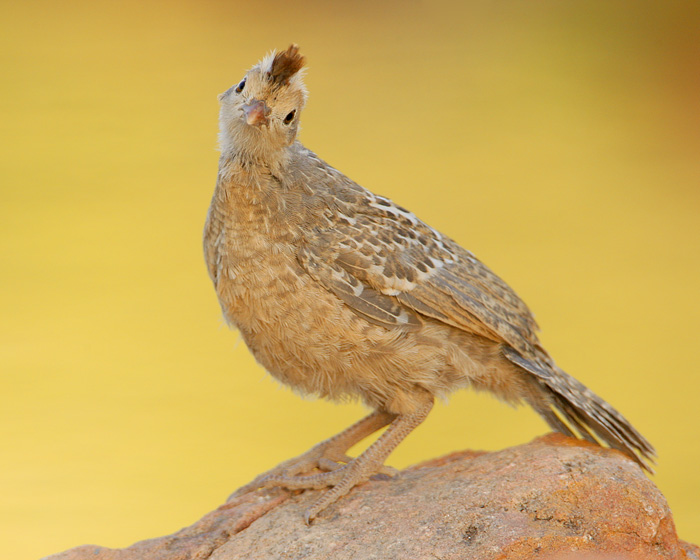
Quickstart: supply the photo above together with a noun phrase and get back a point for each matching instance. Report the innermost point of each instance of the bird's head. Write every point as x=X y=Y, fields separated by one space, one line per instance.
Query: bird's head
x=260 y=114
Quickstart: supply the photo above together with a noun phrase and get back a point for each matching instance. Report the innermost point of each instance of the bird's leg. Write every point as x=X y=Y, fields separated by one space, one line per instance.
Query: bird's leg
x=357 y=470
x=326 y=456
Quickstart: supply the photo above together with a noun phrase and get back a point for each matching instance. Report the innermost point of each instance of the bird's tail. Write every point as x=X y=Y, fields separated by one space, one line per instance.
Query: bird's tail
x=571 y=408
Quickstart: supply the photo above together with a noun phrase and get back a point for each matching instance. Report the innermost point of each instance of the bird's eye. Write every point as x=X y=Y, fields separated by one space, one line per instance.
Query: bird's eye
x=239 y=87
x=290 y=117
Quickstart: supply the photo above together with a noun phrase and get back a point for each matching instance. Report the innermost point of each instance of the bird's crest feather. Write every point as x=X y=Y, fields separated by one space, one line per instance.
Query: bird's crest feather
x=286 y=64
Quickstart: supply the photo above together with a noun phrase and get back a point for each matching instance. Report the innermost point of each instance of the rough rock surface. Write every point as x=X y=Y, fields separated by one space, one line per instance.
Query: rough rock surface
x=552 y=498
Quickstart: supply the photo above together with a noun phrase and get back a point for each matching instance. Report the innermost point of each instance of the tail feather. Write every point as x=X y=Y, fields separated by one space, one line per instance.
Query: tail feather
x=570 y=404
x=574 y=418
x=550 y=417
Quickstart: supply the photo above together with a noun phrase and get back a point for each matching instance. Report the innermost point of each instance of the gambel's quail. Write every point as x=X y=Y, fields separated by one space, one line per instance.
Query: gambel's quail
x=341 y=293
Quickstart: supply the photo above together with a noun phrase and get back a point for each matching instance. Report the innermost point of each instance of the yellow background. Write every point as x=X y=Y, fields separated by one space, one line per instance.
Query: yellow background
x=560 y=141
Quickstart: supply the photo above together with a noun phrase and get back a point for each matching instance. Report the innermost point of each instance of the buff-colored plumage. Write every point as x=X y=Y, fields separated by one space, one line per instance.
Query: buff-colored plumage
x=341 y=293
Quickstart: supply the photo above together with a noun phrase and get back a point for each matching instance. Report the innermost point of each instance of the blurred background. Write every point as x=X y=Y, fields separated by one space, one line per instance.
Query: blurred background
x=559 y=141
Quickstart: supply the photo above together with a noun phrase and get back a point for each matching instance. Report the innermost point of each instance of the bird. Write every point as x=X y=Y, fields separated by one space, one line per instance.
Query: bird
x=340 y=293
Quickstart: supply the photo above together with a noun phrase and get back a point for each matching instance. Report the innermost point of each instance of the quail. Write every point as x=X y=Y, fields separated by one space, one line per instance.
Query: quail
x=341 y=293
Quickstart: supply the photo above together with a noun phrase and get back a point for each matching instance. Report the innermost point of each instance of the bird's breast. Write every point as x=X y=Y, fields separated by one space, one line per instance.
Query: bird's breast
x=254 y=266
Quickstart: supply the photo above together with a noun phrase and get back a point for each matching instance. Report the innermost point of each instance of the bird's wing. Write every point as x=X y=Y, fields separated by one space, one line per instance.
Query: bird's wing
x=391 y=268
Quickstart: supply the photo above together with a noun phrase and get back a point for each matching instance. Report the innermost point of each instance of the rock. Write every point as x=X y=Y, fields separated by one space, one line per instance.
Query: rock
x=552 y=498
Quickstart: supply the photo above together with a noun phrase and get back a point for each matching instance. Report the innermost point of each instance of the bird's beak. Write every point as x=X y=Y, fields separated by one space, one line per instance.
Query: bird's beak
x=256 y=112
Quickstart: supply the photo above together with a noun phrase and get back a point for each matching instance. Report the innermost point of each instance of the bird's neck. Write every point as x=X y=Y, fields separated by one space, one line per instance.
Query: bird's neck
x=255 y=156
x=251 y=178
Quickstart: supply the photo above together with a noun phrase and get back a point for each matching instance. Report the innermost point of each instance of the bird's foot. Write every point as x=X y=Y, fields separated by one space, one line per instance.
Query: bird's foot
x=342 y=478
x=322 y=466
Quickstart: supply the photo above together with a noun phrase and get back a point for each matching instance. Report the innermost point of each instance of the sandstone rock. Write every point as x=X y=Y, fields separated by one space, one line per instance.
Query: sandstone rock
x=554 y=498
